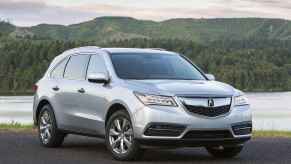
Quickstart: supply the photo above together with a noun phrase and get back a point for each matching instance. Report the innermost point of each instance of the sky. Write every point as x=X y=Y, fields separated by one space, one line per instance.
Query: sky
x=65 y=12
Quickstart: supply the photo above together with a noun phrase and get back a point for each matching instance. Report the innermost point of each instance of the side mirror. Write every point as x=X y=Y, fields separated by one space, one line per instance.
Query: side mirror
x=210 y=77
x=98 y=78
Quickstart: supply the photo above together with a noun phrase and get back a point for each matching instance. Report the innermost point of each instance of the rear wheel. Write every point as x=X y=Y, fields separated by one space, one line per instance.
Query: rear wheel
x=120 y=138
x=225 y=151
x=48 y=133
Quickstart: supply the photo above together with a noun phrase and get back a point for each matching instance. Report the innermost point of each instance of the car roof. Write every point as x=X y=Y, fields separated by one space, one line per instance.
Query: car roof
x=95 y=49
x=138 y=50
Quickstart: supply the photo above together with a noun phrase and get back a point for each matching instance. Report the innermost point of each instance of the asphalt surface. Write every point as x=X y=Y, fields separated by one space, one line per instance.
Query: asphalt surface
x=24 y=148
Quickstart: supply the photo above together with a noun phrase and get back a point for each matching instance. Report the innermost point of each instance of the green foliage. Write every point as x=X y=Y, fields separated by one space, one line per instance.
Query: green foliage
x=6 y=28
x=23 y=62
x=252 y=54
x=266 y=68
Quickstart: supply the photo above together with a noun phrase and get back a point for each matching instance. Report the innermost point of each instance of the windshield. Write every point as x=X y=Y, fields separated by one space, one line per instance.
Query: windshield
x=142 y=66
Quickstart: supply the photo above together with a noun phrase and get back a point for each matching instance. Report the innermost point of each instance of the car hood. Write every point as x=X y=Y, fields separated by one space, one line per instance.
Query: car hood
x=182 y=87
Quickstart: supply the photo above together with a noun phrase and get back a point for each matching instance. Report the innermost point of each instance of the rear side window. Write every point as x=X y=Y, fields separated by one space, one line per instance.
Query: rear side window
x=76 y=67
x=58 y=71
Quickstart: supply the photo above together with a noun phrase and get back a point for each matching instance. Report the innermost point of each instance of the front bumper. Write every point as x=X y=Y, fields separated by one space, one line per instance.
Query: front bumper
x=232 y=122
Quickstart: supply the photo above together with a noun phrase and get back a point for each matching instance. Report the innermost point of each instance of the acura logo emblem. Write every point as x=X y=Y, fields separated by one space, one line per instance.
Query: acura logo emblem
x=210 y=102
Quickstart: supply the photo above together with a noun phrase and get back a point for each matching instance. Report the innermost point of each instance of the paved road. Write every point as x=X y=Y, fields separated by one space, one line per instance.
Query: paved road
x=24 y=148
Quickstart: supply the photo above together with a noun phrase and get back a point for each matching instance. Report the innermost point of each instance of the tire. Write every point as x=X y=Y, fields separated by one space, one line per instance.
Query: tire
x=225 y=152
x=48 y=134
x=115 y=137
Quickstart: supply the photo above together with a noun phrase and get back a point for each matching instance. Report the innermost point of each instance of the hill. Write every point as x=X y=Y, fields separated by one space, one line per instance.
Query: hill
x=104 y=29
x=6 y=28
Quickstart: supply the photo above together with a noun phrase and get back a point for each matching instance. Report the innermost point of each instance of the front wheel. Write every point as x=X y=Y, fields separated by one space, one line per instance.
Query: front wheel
x=120 y=138
x=225 y=151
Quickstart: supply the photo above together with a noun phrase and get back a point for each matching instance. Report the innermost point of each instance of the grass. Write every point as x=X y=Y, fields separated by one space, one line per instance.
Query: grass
x=17 y=127
x=285 y=134
x=16 y=93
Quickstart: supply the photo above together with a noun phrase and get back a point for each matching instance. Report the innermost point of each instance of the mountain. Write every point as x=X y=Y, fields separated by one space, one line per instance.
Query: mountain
x=6 y=28
x=199 y=30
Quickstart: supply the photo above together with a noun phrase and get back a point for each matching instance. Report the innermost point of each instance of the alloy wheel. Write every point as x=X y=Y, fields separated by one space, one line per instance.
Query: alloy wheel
x=45 y=127
x=120 y=135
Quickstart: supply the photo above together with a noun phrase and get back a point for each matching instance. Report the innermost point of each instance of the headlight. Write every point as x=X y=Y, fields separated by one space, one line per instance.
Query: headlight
x=240 y=100
x=155 y=99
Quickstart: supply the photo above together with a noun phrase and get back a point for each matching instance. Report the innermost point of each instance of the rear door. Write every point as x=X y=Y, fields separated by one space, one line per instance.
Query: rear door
x=53 y=86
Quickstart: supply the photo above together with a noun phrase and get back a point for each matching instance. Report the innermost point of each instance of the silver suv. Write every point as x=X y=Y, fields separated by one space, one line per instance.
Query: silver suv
x=137 y=99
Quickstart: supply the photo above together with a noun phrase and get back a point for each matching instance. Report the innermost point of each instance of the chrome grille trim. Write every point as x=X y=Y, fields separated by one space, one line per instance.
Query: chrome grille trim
x=201 y=106
x=203 y=102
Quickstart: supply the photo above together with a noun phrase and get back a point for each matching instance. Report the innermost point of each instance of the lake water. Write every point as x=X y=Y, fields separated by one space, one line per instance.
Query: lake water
x=271 y=111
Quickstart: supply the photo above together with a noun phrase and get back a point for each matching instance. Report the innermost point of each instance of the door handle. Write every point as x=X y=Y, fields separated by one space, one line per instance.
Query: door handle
x=56 y=88
x=82 y=90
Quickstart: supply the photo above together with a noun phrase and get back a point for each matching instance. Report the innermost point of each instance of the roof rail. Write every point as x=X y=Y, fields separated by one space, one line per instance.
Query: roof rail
x=82 y=48
x=160 y=49
x=86 y=47
x=90 y=47
x=70 y=51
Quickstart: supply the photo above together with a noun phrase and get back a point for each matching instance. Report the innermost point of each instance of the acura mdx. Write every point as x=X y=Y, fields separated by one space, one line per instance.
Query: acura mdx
x=138 y=99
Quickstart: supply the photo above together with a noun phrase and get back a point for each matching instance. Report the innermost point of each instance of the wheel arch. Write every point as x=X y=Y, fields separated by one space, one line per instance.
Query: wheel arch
x=41 y=104
x=116 y=106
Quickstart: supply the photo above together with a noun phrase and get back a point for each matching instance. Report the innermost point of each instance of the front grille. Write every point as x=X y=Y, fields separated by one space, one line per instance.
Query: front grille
x=162 y=129
x=208 y=111
x=243 y=128
x=216 y=134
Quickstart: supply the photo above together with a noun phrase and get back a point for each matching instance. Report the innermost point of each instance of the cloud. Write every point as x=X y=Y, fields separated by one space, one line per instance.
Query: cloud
x=235 y=8
x=32 y=12
x=28 y=12
x=15 y=6
x=263 y=8
x=263 y=4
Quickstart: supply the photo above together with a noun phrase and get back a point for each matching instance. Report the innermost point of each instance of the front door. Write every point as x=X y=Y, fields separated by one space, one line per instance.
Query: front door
x=95 y=97
x=71 y=93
